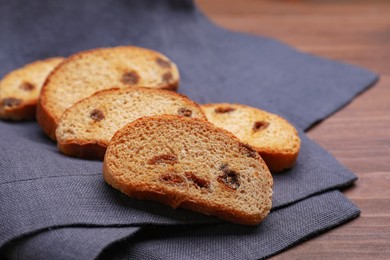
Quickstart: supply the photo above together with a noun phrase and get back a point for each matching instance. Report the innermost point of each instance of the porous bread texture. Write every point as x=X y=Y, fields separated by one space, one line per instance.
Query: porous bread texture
x=87 y=72
x=86 y=128
x=190 y=163
x=19 y=89
x=276 y=139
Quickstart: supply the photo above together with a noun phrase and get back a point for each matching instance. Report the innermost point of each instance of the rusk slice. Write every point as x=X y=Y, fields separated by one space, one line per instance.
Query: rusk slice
x=276 y=140
x=19 y=90
x=87 y=72
x=86 y=128
x=189 y=163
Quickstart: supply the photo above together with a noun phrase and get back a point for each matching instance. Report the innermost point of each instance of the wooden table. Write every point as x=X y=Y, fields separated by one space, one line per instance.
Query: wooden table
x=357 y=32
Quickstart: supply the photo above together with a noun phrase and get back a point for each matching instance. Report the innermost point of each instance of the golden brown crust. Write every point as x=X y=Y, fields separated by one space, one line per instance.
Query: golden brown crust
x=234 y=216
x=46 y=121
x=277 y=159
x=26 y=111
x=164 y=195
x=95 y=149
x=278 y=162
x=172 y=86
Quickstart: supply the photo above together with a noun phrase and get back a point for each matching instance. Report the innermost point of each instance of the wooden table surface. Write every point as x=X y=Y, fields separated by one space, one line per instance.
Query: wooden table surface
x=357 y=32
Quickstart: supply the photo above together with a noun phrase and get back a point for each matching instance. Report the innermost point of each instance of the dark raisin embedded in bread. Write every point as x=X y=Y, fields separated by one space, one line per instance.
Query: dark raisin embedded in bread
x=86 y=128
x=130 y=78
x=19 y=90
x=97 y=115
x=87 y=72
x=189 y=163
x=273 y=137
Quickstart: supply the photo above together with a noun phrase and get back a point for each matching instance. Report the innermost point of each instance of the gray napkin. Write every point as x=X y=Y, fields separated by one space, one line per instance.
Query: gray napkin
x=46 y=197
x=282 y=229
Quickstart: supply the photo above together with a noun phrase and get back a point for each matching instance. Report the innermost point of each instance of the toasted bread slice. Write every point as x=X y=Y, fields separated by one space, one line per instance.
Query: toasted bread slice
x=190 y=163
x=86 y=128
x=276 y=140
x=19 y=90
x=87 y=72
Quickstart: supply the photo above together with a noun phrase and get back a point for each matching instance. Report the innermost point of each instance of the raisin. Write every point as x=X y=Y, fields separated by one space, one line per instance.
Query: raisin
x=260 y=125
x=230 y=178
x=167 y=77
x=184 y=112
x=199 y=182
x=165 y=158
x=130 y=78
x=27 y=86
x=163 y=63
x=224 y=167
x=248 y=151
x=11 y=102
x=97 y=115
x=222 y=110
x=172 y=178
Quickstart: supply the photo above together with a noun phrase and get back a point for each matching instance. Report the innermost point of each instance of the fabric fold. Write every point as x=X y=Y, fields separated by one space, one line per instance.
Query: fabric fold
x=282 y=229
x=67 y=243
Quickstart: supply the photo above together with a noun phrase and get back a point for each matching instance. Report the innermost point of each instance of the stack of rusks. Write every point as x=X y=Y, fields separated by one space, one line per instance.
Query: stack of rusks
x=119 y=105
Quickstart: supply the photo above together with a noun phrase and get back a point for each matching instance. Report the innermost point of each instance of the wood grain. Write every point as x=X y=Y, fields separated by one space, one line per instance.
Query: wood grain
x=357 y=32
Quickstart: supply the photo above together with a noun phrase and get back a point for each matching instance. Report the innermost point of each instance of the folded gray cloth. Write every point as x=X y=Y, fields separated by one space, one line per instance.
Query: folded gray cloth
x=41 y=189
x=85 y=242
x=282 y=229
